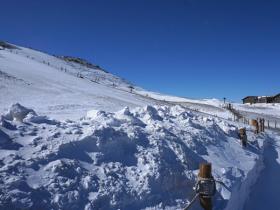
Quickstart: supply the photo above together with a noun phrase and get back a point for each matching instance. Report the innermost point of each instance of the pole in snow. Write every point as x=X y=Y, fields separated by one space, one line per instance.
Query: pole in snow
x=243 y=136
x=255 y=123
x=205 y=175
x=205 y=187
x=263 y=125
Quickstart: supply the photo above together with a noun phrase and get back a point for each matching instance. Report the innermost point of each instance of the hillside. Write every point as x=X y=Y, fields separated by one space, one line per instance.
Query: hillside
x=66 y=87
x=60 y=87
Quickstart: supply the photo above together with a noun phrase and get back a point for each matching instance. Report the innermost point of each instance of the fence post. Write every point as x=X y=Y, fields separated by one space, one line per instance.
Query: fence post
x=275 y=124
x=255 y=123
x=243 y=136
x=261 y=124
x=268 y=123
x=205 y=171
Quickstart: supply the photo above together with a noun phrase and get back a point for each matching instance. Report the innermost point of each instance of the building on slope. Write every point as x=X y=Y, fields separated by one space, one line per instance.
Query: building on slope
x=250 y=100
x=277 y=98
x=261 y=99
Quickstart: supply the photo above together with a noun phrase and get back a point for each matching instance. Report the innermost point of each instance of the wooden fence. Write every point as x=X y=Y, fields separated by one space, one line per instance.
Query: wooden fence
x=238 y=117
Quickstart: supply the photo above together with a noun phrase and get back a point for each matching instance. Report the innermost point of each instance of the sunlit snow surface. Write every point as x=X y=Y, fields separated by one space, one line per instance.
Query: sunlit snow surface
x=52 y=85
x=67 y=90
x=81 y=138
x=131 y=159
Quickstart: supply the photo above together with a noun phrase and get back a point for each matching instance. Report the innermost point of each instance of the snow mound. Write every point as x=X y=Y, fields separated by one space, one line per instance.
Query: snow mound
x=142 y=158
x=18 y=112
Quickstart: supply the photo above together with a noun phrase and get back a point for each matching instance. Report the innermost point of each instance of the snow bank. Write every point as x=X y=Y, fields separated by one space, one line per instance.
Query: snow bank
x=142 y=158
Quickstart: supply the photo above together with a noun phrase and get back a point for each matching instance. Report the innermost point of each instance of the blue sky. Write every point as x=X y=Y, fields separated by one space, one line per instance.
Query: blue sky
x=191 y=48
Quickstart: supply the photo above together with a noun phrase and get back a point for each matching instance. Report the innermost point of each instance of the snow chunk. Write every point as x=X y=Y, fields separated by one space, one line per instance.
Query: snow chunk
x=126 y=116
x=94 y=114
x=18 y=112
x=151 y=113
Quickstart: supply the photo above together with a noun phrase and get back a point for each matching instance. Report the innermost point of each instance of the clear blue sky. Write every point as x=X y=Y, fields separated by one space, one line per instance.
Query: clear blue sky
x=192 y=48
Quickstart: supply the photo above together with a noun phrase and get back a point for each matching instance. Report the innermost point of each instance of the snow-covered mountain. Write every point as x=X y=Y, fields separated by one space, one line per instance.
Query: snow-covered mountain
x=87 y=139
x=60 y=86
x=67 y=87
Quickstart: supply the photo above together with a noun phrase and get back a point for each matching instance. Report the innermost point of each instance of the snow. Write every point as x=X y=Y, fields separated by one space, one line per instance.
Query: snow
x=17 y=112
x=84 y=140
x=140 y=158
x=67 y=90
x=264 y=193
x=35 y=79
x=272 y=110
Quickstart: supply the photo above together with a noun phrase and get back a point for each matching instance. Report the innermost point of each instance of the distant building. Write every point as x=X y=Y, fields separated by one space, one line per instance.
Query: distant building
x=261 y=99
x=265 y=99
x=250 y=100
x=276 y=98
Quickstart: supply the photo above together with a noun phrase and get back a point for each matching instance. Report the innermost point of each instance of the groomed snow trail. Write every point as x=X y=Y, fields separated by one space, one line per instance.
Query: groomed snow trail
x=265 y=193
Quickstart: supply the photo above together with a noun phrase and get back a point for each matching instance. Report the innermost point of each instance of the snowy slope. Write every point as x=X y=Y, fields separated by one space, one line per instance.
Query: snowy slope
x=52 y=86
x=261 y=109
x=62 y=88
